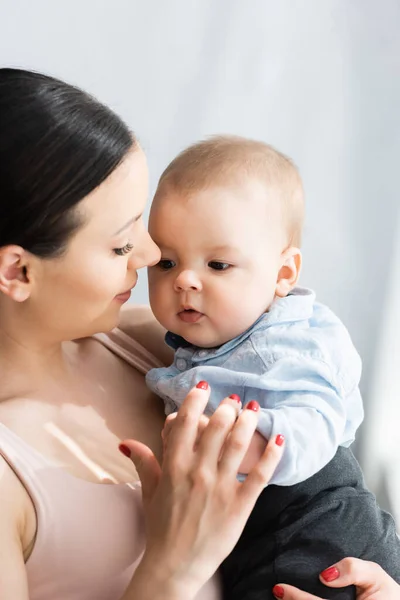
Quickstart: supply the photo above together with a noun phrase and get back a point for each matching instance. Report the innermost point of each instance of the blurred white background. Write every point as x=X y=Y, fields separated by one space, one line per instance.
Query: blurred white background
x=320 y=80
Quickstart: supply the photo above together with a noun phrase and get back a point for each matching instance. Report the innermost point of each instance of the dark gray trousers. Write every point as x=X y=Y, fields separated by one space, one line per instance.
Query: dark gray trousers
x=296 y=532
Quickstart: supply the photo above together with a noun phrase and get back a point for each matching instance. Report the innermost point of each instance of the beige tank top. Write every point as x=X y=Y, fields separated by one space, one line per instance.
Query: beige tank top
x=90 y=536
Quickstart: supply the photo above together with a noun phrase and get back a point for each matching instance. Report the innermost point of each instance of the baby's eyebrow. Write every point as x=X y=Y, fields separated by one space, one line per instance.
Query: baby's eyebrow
x=222 y=248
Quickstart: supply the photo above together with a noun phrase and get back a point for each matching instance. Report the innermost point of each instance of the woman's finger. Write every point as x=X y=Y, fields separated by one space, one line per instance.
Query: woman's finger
x=215 y=435
x=146 y=464
x=184 y=432
x=232 y=400
x=288 y=592
x=262 y=472
x=169 y=421
x=238 y=442
x=364 y=574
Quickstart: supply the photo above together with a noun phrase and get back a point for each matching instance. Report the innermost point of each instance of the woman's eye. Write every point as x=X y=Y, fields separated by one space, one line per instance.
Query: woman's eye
x=165 y=264
x=124 y=250
x=218 y=266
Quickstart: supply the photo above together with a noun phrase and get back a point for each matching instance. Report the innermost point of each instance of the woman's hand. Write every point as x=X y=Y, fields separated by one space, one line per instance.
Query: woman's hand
x=194 y=506
x=255 y=449
x=370 y=579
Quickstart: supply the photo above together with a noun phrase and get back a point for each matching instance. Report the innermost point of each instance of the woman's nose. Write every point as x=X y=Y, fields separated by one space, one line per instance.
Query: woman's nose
x=147 y=255
x=186 y=281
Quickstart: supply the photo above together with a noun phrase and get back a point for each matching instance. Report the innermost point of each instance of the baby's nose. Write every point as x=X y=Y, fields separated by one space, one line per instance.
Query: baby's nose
x=186 y=281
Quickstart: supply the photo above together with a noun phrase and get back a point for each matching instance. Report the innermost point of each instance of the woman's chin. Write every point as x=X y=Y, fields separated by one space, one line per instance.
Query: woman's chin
x=108 y=321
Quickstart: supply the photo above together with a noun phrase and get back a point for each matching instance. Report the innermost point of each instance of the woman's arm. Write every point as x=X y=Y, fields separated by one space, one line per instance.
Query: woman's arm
x=139 y=323
x=194 y=506
x=371 y=581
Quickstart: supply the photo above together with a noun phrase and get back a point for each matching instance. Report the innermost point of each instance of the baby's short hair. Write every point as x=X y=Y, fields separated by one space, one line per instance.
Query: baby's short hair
x=225 y=159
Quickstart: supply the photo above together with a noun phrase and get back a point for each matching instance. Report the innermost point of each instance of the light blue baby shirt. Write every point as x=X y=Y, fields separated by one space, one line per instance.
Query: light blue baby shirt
x=298 y=362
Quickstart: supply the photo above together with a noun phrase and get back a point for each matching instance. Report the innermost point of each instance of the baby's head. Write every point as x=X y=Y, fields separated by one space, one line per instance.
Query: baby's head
x=227 y=216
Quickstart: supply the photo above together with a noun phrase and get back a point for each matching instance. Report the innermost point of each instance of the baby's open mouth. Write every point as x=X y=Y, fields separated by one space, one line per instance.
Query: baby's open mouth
x=190 y=315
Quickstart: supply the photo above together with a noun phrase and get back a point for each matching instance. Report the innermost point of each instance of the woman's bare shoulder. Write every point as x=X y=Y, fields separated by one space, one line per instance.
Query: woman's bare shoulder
x=139 y=323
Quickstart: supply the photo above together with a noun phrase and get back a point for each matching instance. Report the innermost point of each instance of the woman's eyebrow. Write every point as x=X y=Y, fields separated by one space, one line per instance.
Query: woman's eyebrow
x=133 y=220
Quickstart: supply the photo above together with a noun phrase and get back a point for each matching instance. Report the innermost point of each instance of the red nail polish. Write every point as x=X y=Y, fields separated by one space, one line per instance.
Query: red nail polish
x=278 y=591
x=235 y=397
x=253 y=405
x=125 y=450
x=330 y=574
x=202 y=385
x=279 y=439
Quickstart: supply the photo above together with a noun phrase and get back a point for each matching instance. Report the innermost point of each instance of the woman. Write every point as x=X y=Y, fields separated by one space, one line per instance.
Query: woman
x=73 y=188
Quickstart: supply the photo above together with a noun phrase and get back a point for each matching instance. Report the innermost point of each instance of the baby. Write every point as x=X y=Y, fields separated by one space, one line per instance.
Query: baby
x=227 y=216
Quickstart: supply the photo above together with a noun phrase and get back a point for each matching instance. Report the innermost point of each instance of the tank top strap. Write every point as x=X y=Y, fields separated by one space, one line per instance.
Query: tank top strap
x=129 y=350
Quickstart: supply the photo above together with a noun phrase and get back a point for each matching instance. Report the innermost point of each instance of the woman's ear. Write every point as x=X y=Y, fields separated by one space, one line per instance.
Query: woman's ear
x=14 y=273
x=289 y=272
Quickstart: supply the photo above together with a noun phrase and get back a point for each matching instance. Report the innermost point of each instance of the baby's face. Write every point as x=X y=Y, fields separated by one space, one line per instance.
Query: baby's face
x=221 y=253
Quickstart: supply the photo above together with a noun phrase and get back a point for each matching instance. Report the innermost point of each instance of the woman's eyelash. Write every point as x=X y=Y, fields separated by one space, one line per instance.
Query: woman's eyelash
x=124 y=250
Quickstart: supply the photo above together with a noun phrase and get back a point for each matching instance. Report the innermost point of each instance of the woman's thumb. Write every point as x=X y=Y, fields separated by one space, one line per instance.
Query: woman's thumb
x=361 y=573
x=146 y=464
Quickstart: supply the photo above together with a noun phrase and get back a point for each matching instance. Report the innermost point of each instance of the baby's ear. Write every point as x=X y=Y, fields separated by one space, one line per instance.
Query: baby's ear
x=289 y=272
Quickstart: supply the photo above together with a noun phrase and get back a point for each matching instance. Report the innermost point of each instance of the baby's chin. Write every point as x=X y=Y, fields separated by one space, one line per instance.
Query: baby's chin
x=203 y=338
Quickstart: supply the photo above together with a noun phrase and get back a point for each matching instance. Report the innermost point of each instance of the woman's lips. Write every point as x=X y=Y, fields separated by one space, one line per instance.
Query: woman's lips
x=190 y=316
x=123 y=297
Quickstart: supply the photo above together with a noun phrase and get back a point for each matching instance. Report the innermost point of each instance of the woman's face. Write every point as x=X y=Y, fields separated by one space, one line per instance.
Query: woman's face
x=82 y=292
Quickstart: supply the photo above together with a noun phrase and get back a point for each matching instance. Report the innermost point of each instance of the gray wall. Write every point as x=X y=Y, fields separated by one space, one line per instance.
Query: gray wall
x=318 y=79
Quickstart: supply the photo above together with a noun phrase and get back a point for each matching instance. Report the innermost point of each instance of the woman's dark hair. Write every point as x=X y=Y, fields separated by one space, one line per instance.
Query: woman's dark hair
x=57 y=144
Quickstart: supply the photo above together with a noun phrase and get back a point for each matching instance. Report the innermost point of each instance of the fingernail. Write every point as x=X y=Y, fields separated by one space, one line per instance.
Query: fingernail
x=279 y=439
x=125 y=450
x=278 y=591
x=202 y=385
x=330 y=574
x=253 y=405
x=235 y=397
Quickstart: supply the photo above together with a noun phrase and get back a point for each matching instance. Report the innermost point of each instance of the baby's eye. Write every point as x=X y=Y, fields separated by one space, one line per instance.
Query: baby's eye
x=218 y=266
x=165 y=264
x=124 y=250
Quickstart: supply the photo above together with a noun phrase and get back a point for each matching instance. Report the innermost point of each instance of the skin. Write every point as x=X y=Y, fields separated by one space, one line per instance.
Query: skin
x=61 y=378
x=48 y=378
x=204 y=467
x=215 y=243
x=50 y=372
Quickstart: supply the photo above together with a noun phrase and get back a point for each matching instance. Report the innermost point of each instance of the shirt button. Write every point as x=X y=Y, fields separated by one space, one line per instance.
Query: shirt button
x=181 y=364
x=203 y=353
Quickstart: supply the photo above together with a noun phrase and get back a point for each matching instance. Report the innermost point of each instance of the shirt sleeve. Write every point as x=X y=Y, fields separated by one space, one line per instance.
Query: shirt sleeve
x=300 y=399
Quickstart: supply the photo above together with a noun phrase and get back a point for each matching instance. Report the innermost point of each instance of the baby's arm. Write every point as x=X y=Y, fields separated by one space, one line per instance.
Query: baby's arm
x=298 y=398
x=301 y=398
x=316 y=406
